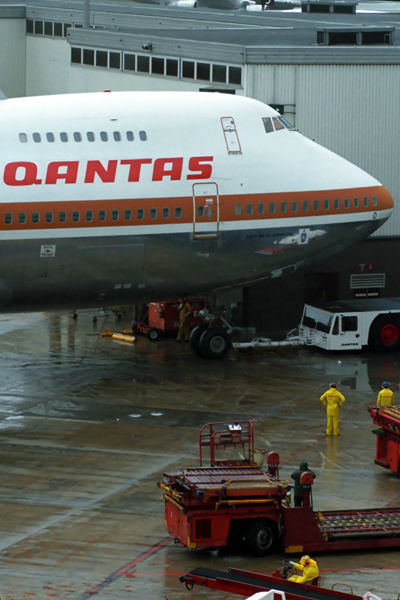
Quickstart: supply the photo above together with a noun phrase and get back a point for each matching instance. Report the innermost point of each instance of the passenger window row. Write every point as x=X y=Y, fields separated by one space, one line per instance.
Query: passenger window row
x=306 y=206
x=76 y=136
x=89 y=216
x=158 y=66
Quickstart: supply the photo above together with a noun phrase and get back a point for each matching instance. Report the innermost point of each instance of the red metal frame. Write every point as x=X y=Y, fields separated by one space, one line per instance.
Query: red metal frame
x=387 y=436
x=224 y=435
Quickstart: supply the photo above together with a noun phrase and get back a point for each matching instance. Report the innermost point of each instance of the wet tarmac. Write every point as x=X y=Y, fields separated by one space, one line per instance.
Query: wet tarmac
x=88 y=425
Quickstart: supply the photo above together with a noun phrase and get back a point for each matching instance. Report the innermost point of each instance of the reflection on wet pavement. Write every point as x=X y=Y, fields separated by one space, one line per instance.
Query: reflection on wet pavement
x=88 y=425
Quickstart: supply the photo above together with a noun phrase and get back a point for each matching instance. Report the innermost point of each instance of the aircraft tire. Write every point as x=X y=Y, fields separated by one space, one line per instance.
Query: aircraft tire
x=194 y=339
x=384 y=333
x=153 y=334
x=215 y=343
x=262 y=537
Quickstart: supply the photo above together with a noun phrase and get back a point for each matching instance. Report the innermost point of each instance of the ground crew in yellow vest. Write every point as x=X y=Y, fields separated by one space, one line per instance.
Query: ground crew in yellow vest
x=309 y=568
x=385 y=396
x=332 y=399
x=184 y=310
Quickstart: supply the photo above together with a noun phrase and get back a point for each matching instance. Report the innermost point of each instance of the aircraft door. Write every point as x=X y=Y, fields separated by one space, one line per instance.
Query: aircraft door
x=205 y=210
x=231 y=135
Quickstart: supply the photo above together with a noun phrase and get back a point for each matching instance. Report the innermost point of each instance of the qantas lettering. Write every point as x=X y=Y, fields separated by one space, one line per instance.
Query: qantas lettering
x=27 y=173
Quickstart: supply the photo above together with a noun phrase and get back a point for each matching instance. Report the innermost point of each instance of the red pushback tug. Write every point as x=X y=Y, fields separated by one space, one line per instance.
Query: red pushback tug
x=235 y=500
x=387 y=436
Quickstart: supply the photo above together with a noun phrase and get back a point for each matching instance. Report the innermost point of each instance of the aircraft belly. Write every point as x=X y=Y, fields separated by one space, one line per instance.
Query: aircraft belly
x=128 y=270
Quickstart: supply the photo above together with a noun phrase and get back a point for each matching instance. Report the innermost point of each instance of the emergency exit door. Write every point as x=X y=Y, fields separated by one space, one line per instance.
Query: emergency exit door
x=205 y=210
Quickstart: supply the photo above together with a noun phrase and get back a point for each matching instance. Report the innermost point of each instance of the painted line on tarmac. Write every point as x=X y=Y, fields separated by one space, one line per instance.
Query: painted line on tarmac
x=117 y=574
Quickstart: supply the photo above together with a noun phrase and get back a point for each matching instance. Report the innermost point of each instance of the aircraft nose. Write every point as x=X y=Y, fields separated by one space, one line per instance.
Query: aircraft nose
x=385 y=201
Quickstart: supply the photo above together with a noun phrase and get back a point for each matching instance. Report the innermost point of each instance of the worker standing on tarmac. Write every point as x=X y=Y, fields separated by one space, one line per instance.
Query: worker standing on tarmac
x=385 y=396
x=184 y=310
x=332 y=399
x=298 y=488
x=309 y=568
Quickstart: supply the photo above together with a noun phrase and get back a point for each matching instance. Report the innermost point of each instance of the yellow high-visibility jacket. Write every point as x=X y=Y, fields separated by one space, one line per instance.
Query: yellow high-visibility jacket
x=332 y=399
x=385 y=398
x=310 y=571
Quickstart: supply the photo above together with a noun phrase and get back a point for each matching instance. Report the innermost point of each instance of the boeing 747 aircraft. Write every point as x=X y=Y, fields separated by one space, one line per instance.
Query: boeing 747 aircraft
x=130 y=197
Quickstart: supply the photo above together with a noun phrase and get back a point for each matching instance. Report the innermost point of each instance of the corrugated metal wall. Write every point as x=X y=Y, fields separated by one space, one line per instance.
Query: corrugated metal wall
x=350 y=109
x=12 y=57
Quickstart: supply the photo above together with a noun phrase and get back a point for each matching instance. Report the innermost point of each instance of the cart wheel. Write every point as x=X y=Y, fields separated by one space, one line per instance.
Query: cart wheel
x=262 y=537
x=384 y=333
x=195 y=336
x=153 y=334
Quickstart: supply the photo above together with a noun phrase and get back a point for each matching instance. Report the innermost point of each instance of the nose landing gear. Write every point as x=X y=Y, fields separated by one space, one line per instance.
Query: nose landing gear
x=211 y=339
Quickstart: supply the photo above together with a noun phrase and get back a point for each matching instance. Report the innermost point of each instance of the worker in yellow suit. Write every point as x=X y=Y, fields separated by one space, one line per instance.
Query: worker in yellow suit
x=332 y=399
x=184 y=310
x=385 y=396
x=309 y=568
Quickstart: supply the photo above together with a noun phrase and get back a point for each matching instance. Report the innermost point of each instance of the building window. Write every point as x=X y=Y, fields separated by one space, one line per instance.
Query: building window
x=88 y=57
x=48 y=28
x=39 y=27
x=101 y=58
x=188 y=69
x=157 y=66
x=29 y=26
x=115 y=60
x=203 y=71
x=235 y=76
x=172 y=67
x=129 y=62
x=76 y=55
x=58 y=30
x=143 y=64
x=219 y=74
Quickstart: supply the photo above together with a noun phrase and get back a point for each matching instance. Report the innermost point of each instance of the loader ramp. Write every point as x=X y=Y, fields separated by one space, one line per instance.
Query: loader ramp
x=246 y=583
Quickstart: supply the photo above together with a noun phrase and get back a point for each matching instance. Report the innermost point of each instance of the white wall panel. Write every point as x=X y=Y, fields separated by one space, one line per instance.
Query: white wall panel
x=350 y=109
x=12 y=57
x=47 y=65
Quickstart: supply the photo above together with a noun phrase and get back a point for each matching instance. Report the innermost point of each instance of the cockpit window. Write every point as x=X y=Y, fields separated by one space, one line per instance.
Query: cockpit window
x=285 y=123
x=277 y=124
x=268 y=125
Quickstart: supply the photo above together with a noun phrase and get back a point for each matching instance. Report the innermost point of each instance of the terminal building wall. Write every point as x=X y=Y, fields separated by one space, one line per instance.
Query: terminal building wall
x=12 y=57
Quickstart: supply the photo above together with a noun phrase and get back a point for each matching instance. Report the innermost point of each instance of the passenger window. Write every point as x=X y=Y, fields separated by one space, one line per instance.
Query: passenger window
x=142 y=136
x=374 y=200
x=294 y=206
x=277 y=124
x=316 y=204
x=200 y=211
x=165 y=213
x=178 y=212
x=140 y=213
x=77 y=136
x=23 y=138
x=249 y=209
x=305 y=205
x=89 y=215
x=8 y=218
x=115 y=214
x=129 y=136
x=327 y=204
x=128 y=214
x=64 y=136
x=346 y=203
x=350 y=323
x=283 y=207
x=21 y=218
x=102 y=215
x=49 y=217
x=37 y=137
x=335 y=328
x=153 y=213
x=50 y=137
x=272 y=208
x=238 y=209
x=356 y=202
x=90 y=136
x=268 y=124
x=103 y=136
x=35 y=217
x=116 y=136
x=366 y=201
x=261 y=208
x=75 y=215
x=62 y=216
x=336 y=204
